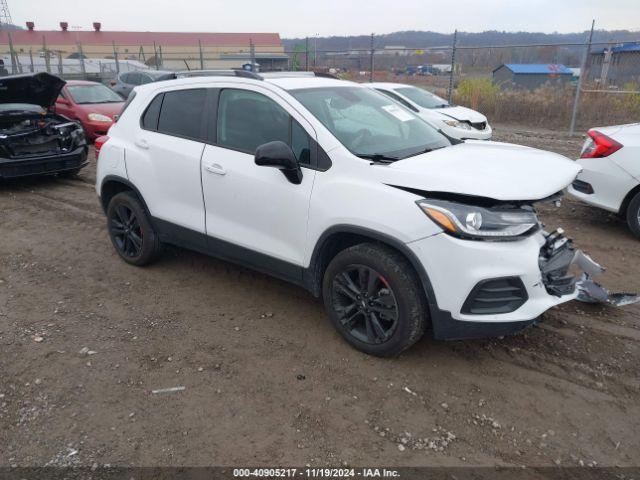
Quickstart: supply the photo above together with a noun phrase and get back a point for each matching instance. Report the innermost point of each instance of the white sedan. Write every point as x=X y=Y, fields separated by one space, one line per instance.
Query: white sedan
x=457 y=122
x=610 y=176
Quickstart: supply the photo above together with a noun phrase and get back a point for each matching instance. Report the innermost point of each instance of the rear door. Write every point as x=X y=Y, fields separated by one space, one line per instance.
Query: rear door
x=164 y=161
x=254 y=214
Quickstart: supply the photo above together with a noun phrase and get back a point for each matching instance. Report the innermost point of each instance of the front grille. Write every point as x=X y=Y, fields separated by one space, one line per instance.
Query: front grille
x=582 y=187
x=479 y=125
x=498 y=295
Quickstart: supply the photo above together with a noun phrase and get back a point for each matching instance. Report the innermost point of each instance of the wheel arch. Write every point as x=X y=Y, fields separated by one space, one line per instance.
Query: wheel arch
x=339 y=237
x=112 y=185
x=627 y=199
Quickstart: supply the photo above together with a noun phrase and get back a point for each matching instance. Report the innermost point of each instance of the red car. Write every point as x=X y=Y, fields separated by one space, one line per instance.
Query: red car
x=90 y=103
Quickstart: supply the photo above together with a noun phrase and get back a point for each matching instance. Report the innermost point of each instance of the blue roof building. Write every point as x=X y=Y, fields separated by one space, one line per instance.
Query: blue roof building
x=615 y=65
x=531 y=75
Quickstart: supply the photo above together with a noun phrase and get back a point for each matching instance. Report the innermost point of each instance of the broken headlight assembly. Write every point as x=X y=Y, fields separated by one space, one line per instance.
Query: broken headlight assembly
x=481 y=223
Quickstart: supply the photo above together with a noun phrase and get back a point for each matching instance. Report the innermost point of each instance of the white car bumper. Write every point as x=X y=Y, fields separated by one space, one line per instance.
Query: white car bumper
x=457 y=267
x=602 y=183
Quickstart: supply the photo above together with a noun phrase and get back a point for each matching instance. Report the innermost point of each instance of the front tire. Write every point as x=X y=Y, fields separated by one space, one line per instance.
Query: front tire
x=633 y=215
x=130 y=230
x=374 y=299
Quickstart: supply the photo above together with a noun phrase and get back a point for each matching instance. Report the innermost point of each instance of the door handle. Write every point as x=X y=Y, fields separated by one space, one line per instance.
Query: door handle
x=142 y=143
x=215 y=168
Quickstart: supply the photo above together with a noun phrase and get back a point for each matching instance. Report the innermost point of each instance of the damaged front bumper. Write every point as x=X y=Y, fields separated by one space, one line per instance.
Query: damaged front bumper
x=44 y=164
x=558 y=256
x=486 y=289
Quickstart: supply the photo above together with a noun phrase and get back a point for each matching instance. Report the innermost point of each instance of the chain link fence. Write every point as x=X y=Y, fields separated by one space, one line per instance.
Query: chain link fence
x=568 y=86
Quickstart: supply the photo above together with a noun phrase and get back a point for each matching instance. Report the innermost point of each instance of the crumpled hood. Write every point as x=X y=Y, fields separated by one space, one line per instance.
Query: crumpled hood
x=462 y=114
x=501 y=171
x=37 y=89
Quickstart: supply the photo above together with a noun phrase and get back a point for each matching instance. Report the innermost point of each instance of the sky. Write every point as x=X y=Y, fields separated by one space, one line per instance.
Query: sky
x=299 y=18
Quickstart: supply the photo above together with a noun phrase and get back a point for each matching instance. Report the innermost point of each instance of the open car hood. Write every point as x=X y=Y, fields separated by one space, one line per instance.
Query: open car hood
x=500 y=171
x=37 y=89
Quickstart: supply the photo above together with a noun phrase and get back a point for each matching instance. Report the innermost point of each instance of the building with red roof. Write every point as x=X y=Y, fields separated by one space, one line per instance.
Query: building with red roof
x=174 y=50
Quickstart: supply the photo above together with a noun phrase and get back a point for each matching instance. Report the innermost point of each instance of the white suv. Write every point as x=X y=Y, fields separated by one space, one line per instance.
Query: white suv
x=332 y=186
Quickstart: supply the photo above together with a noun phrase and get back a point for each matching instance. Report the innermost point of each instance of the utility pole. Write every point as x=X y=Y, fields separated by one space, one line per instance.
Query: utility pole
x=155 y=55
x=306 y=54
x=201 y=55
x=453 y=64
x=14 y=65
x=252 y=54
x=583 y=69
x=315 y=51
x=371 y=60
x=115 y=56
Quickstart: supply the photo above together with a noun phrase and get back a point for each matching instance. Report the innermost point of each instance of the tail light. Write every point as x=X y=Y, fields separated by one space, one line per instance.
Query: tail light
x=112 y=83
x=100 y=141
x=599 y=145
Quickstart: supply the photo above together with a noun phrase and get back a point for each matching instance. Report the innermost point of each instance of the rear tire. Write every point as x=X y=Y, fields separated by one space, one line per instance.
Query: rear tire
x=633 y=215
x=375 y=300
x=130 y=230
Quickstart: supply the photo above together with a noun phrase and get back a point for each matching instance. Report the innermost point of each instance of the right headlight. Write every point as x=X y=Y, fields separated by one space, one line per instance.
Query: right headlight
x=480 y=223
x=457 y=124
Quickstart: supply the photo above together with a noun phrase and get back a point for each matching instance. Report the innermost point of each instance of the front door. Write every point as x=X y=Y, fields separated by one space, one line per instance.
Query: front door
x=251 y=207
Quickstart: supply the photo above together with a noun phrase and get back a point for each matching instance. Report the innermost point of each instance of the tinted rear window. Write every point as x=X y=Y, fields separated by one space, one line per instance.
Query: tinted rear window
x=182 y=113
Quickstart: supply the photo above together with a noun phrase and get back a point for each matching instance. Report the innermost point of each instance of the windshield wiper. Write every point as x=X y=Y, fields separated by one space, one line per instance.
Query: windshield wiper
x=378 y=157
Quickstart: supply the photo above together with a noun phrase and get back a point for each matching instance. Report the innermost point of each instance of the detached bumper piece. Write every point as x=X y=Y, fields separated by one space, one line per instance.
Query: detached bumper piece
x=43 y=165
x=557 y=256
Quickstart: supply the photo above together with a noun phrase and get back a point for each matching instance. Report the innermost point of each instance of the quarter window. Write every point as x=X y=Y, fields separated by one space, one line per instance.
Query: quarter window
x=182 y=113
x=151 y=115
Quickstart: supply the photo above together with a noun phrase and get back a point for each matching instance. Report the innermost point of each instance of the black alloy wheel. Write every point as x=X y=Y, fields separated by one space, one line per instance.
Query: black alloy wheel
x=126 y=231
x=365 y=304
x=131 y=231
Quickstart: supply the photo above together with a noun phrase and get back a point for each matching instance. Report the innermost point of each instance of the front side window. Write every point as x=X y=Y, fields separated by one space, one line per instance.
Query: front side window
x=368 y=123
x=422 y=97
x=398 y=99
x=86 y=94
x=249 y=119
x=182 y=113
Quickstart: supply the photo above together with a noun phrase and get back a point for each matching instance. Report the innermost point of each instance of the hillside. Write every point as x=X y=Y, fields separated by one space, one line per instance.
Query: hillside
x=419 y=39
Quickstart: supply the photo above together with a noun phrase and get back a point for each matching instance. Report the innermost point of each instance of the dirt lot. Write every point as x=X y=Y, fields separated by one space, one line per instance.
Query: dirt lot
x=267 y=379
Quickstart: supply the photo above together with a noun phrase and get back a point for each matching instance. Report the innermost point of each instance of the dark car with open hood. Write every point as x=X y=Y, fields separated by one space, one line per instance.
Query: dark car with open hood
x=33 y=139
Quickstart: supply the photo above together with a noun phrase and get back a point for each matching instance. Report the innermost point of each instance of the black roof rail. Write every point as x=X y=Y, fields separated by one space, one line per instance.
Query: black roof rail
x=326 y=75
x=231 y=72
x=239 y=72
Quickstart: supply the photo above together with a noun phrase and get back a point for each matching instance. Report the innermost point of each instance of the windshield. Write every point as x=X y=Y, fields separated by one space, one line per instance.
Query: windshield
x=368 y=123
x=422 y=97
x=93 y=94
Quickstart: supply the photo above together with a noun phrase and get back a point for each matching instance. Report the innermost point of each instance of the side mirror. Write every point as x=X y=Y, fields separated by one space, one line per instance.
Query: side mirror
x=279 y=155
x=62 y=101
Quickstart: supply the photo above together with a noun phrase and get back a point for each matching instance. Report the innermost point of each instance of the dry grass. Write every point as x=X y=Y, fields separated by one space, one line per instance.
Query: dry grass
x=547 y=106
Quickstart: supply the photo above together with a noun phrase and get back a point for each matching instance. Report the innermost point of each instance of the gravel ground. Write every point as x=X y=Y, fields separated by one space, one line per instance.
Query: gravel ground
x=85 y=339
